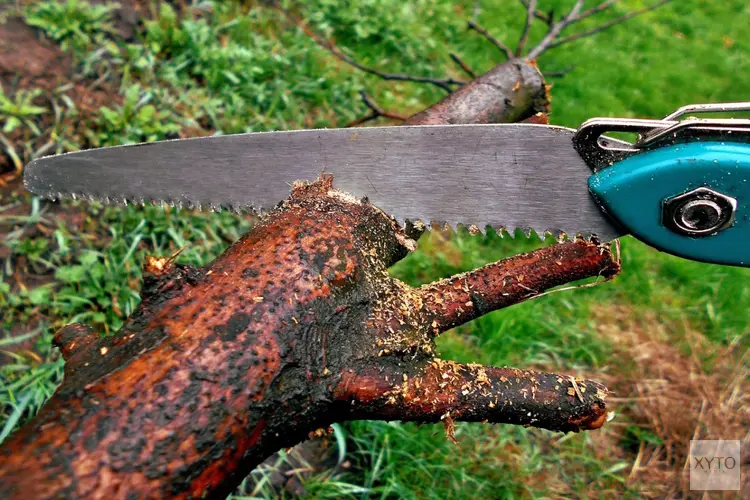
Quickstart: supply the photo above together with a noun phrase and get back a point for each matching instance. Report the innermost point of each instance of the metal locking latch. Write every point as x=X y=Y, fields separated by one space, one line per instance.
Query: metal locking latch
x=697 y=212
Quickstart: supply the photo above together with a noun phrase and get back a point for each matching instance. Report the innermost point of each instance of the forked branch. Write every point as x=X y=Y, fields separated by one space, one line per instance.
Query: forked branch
x=621 y=19
x=296 y=326
x=555 y=29
x=520 y=107
x=554 y=36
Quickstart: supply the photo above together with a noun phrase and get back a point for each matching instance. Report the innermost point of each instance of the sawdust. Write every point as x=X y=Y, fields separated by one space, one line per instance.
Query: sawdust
x=450 y=427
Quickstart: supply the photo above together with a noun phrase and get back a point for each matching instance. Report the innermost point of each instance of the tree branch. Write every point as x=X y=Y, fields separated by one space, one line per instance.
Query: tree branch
x=450 y=391
x=530 y=9
x=376 y=112
x=463 y=65
x=547 y=18
x=509 y=92
x=443 y=83
x=602 y=27
x=553 y=37
x=295 y=326
x=459 y=299
x=597 y=9
x=554 y=31
x=503 y=48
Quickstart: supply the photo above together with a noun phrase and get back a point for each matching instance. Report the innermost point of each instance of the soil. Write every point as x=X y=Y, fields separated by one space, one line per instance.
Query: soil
x=29 y=61
x=27 y=58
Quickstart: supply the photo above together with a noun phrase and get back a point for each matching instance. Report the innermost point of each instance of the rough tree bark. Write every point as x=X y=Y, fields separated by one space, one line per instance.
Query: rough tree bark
x=299 y=325
x=295 y=326
x=509 y=92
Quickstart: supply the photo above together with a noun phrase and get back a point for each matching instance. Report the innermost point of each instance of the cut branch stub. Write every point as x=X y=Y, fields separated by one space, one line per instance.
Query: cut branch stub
x=509 y=92
x=294 y=327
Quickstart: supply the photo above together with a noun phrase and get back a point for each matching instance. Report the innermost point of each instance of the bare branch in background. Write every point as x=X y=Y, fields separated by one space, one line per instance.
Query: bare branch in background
x=494 y=41
x=376 y=112
x=559 y=73
x=609 y=24
x=454 y=57
x=554 y=31
x=530 y=9
x=553 y=38
x=547 y=18
x=597 y=9
x=444 y=83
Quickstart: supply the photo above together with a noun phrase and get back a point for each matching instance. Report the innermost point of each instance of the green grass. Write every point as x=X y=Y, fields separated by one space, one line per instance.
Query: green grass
x=237 y=68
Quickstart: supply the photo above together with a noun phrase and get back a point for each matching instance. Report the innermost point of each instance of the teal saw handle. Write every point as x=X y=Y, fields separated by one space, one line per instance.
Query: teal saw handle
x=691 y=200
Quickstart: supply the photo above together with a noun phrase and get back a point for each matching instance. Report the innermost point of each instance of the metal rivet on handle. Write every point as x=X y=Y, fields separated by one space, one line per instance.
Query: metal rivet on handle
x=699 y=212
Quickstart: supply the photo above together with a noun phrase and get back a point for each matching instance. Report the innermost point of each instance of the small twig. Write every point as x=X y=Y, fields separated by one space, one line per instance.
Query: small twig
x=553 y=39
x=554 y=31
x=530 y=9
x=547 y=18
x=463 y=65
x=597 y=9
x=503 y=48
x=559 y=73
x=377 y=112
x=443 y=83
x=602 y=27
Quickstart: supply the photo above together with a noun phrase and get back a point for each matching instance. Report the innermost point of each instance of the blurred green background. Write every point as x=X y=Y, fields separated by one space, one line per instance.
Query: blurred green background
x=666 y=336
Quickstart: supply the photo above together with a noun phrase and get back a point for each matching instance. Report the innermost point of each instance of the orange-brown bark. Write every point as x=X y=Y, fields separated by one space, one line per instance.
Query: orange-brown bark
x=294 y=327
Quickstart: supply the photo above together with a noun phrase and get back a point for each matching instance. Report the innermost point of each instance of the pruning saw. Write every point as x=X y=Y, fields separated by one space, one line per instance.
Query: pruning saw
x=682 y=187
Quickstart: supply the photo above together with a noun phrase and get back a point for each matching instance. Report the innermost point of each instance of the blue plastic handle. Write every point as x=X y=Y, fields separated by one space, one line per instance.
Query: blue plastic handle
x=633 y=191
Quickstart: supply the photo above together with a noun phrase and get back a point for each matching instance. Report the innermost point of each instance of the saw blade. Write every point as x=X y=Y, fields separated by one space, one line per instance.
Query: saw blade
x=504 y=176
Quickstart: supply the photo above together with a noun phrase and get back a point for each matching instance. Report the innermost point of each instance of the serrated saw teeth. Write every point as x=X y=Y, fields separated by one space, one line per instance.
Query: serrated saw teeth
x=510 y=230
